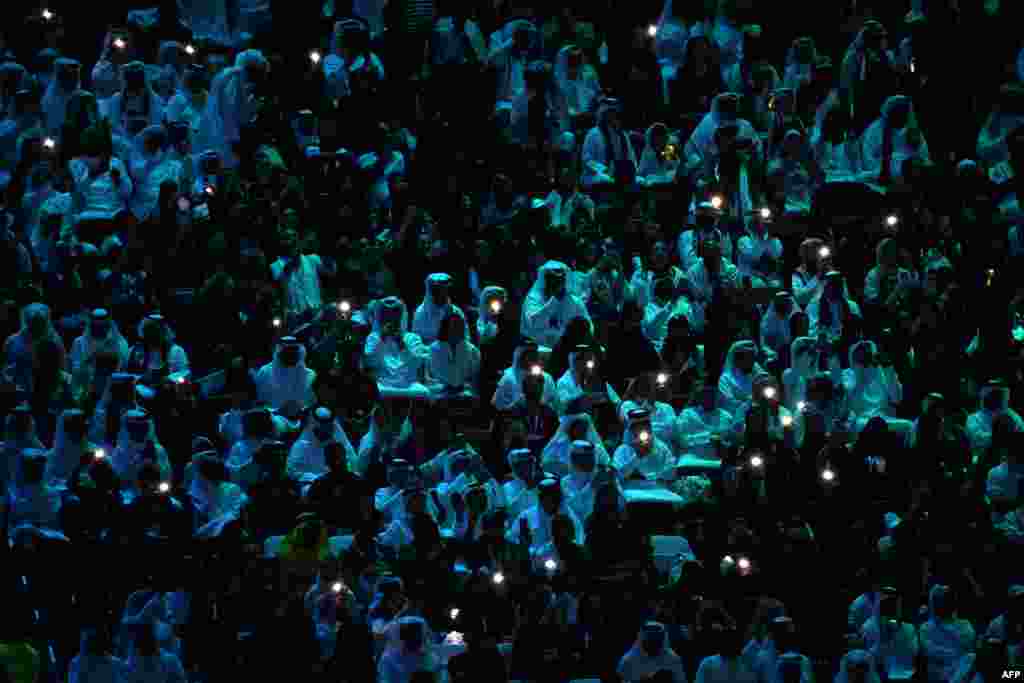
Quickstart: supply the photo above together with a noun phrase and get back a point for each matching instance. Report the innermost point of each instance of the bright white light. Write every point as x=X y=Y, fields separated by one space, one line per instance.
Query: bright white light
x=728 y=559
x=277 y=322
x=756 y=461
x=824 y=252
x=662 y=378
x=336 y=587
x=769 y=392
x=591 y=365
x=49 y=143
x=645 y=437
x=495 y=306
x=99 y=454
x=209 y=189
x=550 y=565
x=454 y=614
x=744 y=563
x=164 y=487
x=344 y=307
x=499 y=578
x=536 y=371
x=181 y=380
x=801 y=405
x=892 y=220
x=766 y=213
x=652 y=30
x=717 y=202
x=787 y=420
x=827 y=474
x=119 y=43
x=47 y=14
x=189 y=50
x=314 y=56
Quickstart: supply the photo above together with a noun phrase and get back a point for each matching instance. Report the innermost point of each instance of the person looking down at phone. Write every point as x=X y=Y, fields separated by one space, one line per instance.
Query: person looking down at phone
x=892 y=641
x=135 y=106
x=705 y=225
x=702 y=430
x=886 y=282
x=550 y=306
x=587 y=475
x=509 y=393
x=891 y=140
x=285 y=384
x=759 y=254
x=136 y=445
x=532 y=528
x=644 y=393
x=520 y=491
x=872 y=388
x=642 y=455
x=394 y=355
x=650 y=655
x=306 y=460
x=150 y=169
x=436 y=305
x=575 y=425
x=584 y=378
x=710 y=279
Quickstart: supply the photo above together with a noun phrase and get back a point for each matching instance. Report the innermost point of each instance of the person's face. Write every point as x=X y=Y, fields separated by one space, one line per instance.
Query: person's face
x=138 y=430
x=583 y=463
x=527 y=359
x=743 y=359
x=578 y=430
x=712 y=256
x=456 y=329
x=74 y=427
x=391 y=320
x=289 y=356
x=533 y=389
x=289 y=240
x=659 y=256
x=899 y=117
x=151 y=334
x=323 y=430
x=416 y=503
x=864 y=357
x=612 y=119
x=37 y=326
x=783 y=305
x=799 y=324
x=99 y=329
x=554 y=282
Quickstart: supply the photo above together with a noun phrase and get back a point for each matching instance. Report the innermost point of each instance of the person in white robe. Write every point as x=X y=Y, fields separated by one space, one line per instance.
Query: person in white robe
x=286 y=384
x=396 y=357
x=642 y=455
x=306 y=459
x=550 y=305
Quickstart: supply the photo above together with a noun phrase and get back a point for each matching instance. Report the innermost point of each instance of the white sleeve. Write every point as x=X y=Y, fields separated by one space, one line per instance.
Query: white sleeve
x=536 y=316
x=506 y=394
x=177 y=359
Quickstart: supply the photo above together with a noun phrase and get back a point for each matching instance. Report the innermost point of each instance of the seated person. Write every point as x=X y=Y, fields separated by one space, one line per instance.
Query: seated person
x=584 y=379
x=550 y=305
x=642 y=455
x=525 y=362
x=436 y=306
x=307 y=461
x=575 y=425
x=454 y=361
x=396 y=356
x=533 y=526
x=286 y=384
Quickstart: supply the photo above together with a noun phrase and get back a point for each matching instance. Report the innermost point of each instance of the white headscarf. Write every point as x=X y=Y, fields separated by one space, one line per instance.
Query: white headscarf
x=873 y=140
x=277 y=385
x=429 y=315
x=65 y=455
x=128 y=453
x=556 y=455
x=485 y=328
x=397 y=663
x=229 y=107
x=796 y=74
x=653 y=168
x=373 y=437
x=576 y=96
x=86 y=347
x=735 y=387
x=568 y=389
x=671 y=38
x=702 y=141
x=510 y=387
x=566 y=309
x=306 y=458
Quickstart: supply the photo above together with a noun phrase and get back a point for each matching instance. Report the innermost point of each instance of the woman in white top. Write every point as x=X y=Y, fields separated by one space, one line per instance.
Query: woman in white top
x=832 y=308
x=736 y=383
x=102 y=184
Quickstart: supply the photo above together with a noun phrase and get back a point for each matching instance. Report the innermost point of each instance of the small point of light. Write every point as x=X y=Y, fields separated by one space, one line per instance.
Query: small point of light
x=336 y=587
x=47 y=14
x=824 y=252
x=536 y=371
x=499 y=578
x=277 y=322
x=591 y=365
x=99 y=454
x=190 y=50
x=717 y=201
x=892 y=220
x=801 y=405
x=208 y=189
x=119 y=43
x=662 y=378
x=181 y=380
x=49 y=143
x=495 y=306
x=645 y=437
x=454 y=614
x=728 y=559
x=756 y=461
x=344 y=307
x=652 y=30
x=164 y=487
x=550 y=565
x=769 y=392
x=827 y=474
x=744 y=563
x=787 y=420
x=766 y=213
x=314 y=56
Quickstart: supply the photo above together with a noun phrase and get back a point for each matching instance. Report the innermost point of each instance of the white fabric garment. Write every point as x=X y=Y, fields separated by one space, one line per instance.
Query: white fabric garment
x=101 y=198
x=164 y=667
x=702 y=285
x=654 y=169
x=113 y=110
x=636 y=665
x=599 y=151
x=85 y=348
x=539 y=523
x=686 y=247
x=509 y=391
x=979 y=423
x=701 y=146
x=302 y=285
x=518 y=498
x=545 y=318
x=865 y=606
x=663 y=418
x=128 y=453
x=277 y=385
x=902 y=148
x=35 y=507
x=87 y=667
x=183 y=107
x=814 y=309
x=944 y=642
x=658 y=464
x=215 y=504
x=448 y=42
x=396 y=664
x=230 y=428
x=894 y=648
x=872 y=392
x=455 y=366
x=556 y=455
x=873 y=282
x=65 y=455
x=207 y=20
x=426 y=321
x=735 y=386
x=486 y=324
x=768 y=665
x=561 y=209
x=568 y=389
x=149 y=176
x=510 y=65
x=574 y=96
x=775 y=332
x=399 y=368
x=230 y=106
x=306 y=459
x=1005 y=483
x=371 y=439
x=641 y=285
x=696 y=427
x=860 y=658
